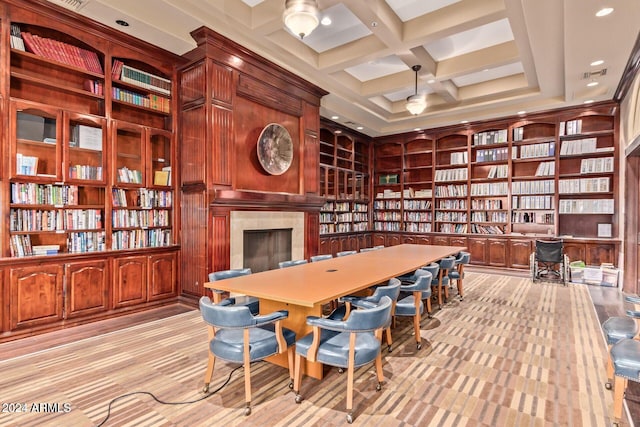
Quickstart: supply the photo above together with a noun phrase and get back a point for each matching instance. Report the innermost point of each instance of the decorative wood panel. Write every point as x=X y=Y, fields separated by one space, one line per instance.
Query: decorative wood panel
x=597 y=254
x=497 y=252
x=130 y=286
x=221 y=146
x=441 y=240
x=193 y=249
x=268 y=96
x=221 y=83
x=312 y=230
x=478 y=250
x=219 y=243
x=86 y=288
x=519 y=253
x=193 y=148
x=379 y=239
x=162 y=276
x=192 y=84
x=36 y=295
x=311 y=153
x=575 y=251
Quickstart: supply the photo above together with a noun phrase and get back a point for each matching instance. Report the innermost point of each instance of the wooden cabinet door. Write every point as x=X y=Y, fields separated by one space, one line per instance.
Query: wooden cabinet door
x=324 y=246
x=162 y=275
x=478 y=250
x=598 y=253
x=364 y=241
x=335 y=246
x=409 y=239
x=379 y=240
x=86 y=289
x=352 y=243
x=394 y=239
x=441 y=240
x=36 y=295
x=130 y=281
x=575 y=251
x=497 y=252
x=458 y=241
x=519 y=253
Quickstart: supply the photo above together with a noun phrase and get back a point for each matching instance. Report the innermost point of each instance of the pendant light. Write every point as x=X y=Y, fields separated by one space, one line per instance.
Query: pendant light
x=416 y=103
x=301 y=16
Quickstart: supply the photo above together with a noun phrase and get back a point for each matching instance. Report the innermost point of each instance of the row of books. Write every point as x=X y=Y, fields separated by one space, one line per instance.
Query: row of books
x=498 y=171
x=20 y=245
x=386 y=226
x=579 y=146
x=492 y=155
x=453 y=228
x=546 y=169
x=489 y=189
x=584 y=185
x=140 y=218
x=94 y=86
x=137 y=77
x=326 y=218
x=490 y=137
x=452 y=190
x=150 y=101
x=418 y=216
x=418 y=194
x=543 y=149
x=571 y=127
x=55 y=50
x=89 y=241
x=145 y=198
x=546 y=186
x=452 y=204
x=54 y=220
x=138 y=238
x=532 y=202
x=459 y=158
x=127 y=175
x=386 y=204
x=417 y=204
x=327 y=228
x=458 y=174
x=586 y=206
x=417 y=227
x=387 y=216
x=483 y=216
x=87 y=172
x=489 y=204
x=30 y=193
x=597 y=165
x=388 y=194
x=446 y=216
x=532 y=217
x=486 y=229
x=518 y=133
x=26 y=165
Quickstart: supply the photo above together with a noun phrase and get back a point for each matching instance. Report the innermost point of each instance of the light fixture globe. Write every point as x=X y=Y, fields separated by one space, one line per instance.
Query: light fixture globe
x=416 y=103
x=301 y=16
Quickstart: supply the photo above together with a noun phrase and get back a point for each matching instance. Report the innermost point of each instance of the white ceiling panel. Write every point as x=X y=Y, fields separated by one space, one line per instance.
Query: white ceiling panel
x=488 y=74
x=377 y=68
x=411 y=9
x=345 y=27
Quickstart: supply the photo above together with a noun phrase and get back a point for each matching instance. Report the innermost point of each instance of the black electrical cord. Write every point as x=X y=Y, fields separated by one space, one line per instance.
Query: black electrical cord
x=115 y=399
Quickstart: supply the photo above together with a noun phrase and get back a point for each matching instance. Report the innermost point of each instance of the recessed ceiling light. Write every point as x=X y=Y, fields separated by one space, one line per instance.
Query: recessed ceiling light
x=326 y=21
x=596 y=63
x=588 y=101
x=338 y=131
x=335 y=117
x=374 y=24
x=521 y=112
x=592 y=84
x=431 y=81
x=464 y=121
x=604 y=11
x=417 y=129
x=122 y=22
x=359 y=128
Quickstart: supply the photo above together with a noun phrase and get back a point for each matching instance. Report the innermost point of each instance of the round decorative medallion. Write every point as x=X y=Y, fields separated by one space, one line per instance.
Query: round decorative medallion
x=275 y=149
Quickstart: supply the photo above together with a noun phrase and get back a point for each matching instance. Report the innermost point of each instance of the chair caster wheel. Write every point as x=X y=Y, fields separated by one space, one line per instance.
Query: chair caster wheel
x=298 y=398
x=389 y=349
x=378 y=387
x=418 y=346
x=608 y=385
x=349 y=418
x=205 y=389
x=247 y=411
x=291 y=385
x=340 y=370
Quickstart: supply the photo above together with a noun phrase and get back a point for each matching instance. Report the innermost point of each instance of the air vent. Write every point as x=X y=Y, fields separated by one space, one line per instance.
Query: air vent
x=590 y=74
x=349 y=123
x=74 y=5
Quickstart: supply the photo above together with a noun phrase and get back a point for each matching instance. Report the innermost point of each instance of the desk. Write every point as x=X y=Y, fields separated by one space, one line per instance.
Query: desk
x=304 y=289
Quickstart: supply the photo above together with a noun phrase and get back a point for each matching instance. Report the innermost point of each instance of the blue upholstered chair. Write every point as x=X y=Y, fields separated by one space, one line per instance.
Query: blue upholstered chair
x=291 y=263
x=345 y=253
x=391 y=290
x=441 y=282
x=410 y=279
x=625 y=356
x=322 y=257
x=251 y=302
x=411 y=305
x=347 y=344
x=374 y=248
x=457 y=272
x=237 y=336
x=617 y=328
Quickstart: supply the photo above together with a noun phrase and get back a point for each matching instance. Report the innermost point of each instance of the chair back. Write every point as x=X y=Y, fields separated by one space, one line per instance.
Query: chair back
x=447 y=263
x=370 y=319
x=228 y=274
x=225 y=316
x=432 y=268
x=549 y=251
x=291 y=263
x=422 y=284
x=391 y=290
x=345 y=253
x=317 y=258
x=368 y=249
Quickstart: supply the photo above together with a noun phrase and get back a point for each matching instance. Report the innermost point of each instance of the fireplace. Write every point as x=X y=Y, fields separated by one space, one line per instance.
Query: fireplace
x=264 y=249
x=254 y=221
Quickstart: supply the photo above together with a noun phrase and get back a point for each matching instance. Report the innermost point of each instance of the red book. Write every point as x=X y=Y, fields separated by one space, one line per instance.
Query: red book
x=30 y=43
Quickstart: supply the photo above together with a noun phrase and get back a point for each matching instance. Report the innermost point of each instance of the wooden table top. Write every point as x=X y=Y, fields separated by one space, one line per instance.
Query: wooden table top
x=320 y=282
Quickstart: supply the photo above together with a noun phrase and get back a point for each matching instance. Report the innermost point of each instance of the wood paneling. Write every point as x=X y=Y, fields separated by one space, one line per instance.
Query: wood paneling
x=86 y=288
x=497 y=252
x=192 y=84
x=221 y=84
x=519 y=253
x=194 y=256
x=163 y=269
x=478 y=250
x=36 y=295
x=130 y=286
x=221 y=148
x=192 y=150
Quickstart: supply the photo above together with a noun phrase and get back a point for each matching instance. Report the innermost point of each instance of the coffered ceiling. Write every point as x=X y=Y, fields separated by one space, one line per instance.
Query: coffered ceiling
x=480 y=59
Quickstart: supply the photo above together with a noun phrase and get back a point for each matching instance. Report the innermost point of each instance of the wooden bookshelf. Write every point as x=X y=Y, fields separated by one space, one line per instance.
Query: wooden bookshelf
x=74 y=222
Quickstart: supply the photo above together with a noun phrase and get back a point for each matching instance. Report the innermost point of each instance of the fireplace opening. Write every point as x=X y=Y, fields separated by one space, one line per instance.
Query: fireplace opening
x=264 y=249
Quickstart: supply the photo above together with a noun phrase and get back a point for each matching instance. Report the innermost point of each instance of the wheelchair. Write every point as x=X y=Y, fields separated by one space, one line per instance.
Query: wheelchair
x=549 y=262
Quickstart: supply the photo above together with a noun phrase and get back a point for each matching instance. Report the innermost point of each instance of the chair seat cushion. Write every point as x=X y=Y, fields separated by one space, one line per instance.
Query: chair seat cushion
x=407 y=307
x=619 y=327
x=334 y=348
x=228 y=344
x=625 y=356
x=455 y=275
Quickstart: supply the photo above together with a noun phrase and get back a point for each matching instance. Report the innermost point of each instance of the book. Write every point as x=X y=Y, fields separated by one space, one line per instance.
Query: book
x=161 y=178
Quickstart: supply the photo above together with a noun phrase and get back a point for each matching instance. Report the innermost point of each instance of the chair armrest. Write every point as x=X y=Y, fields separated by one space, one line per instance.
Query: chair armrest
x=363 y=303
x=271 y=317
x=409 y=288
x=324 y=323
x=633 y=299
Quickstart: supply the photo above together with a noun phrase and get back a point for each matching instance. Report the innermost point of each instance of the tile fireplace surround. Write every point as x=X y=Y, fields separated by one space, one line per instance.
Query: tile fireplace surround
x=264 y=220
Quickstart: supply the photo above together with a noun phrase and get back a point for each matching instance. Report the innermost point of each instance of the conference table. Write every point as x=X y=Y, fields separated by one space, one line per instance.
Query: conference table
x=304 y=289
